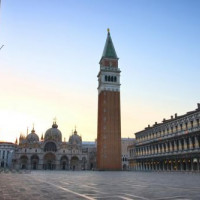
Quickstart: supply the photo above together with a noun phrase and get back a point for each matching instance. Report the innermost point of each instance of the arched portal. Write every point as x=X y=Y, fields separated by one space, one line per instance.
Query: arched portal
x=34 y=162
x=74 y=165
x=24 y=162
x=64 y=163
x=50 y=146
x=49 y=161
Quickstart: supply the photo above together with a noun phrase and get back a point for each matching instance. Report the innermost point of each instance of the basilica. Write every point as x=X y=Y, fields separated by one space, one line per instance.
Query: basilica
x=51 y=153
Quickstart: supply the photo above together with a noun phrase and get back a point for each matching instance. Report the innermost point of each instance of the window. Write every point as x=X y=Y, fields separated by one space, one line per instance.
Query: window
x=50 y=146
x=106 y=78
x=197 y=122
x=186 y=125
x=115 y=79
x=191 y=124
x=181 y=125
x=111 y=78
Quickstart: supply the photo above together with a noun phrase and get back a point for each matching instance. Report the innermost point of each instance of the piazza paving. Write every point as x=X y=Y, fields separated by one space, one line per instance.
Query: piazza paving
x=39 y=185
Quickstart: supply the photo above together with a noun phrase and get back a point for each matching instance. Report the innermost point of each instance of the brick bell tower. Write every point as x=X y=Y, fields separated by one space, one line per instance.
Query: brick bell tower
x=109 y=120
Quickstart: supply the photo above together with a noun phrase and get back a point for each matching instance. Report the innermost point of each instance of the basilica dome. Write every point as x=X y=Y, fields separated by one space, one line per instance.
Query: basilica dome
x=75 y=138
x=53 y=133
x=32 y=137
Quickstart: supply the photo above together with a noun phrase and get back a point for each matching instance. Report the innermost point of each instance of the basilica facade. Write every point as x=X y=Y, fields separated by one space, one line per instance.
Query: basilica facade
x=51 y=153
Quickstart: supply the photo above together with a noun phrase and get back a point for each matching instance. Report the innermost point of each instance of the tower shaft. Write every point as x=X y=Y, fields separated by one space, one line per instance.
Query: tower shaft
x=109 y=117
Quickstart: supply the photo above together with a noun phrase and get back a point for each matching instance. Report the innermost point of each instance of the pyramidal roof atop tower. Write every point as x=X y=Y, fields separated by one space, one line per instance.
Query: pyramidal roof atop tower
x=109 y=49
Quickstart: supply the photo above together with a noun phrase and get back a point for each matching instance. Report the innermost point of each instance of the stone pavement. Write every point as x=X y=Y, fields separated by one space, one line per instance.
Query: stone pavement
x=39 y=185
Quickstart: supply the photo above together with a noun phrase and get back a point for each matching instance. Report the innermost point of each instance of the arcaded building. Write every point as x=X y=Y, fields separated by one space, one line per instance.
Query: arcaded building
x=51 y=153
x=109 y=117
x=172 y=145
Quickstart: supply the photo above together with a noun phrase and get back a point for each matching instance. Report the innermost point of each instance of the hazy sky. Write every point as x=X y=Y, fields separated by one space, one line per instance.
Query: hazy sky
x=49 y=64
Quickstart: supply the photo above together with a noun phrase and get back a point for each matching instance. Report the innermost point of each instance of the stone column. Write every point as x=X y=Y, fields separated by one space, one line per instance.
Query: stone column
x=166 y=145
x=196 y=142
x=163 y=148
x=170 y=147
x=146 y=150
x=151 y=149
x=185 y=144
x=175 y=146
x=190 y=143
x=159 y=149
x=179 y=145
x=155 y=149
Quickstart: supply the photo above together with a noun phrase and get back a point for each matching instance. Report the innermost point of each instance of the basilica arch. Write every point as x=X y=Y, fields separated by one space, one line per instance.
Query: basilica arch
x=24 y=162
x=64 y=163
x=74 y=164
x=34 y=162
x=50 y=146
x=49 y=161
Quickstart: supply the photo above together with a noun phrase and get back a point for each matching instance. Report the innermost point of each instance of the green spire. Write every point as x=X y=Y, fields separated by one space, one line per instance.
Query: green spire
x=109 y=50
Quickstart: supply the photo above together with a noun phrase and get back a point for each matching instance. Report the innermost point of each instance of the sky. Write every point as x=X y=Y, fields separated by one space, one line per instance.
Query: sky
x=50 y=61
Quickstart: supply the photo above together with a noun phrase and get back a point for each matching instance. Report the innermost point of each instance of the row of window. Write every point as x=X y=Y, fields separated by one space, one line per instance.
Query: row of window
x=171 y=130
x=4 y=154
x=111 y=78
x=175 y=145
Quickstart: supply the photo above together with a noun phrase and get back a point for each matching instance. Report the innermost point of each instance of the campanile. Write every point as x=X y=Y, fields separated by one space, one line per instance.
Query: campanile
x=109 y=120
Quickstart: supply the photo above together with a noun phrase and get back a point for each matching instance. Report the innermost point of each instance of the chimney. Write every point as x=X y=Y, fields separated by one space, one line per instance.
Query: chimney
x=171 y=116
x=176 y=115
x=164 y=119
x=198 y=106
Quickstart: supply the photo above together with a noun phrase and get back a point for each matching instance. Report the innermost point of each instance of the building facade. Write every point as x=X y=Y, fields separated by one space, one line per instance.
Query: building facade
x=7 y=151
x=109 y=119
x=173 y=145
x=51 y=153
x=125 y=144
